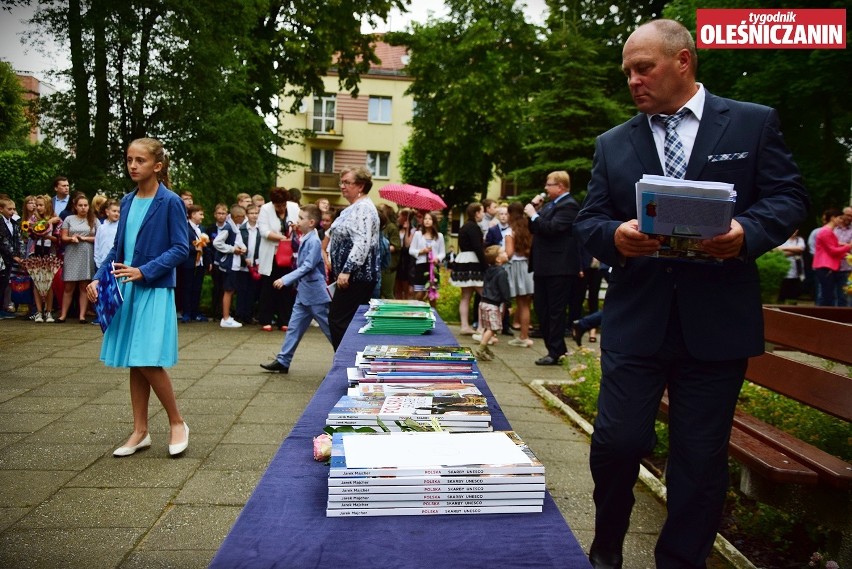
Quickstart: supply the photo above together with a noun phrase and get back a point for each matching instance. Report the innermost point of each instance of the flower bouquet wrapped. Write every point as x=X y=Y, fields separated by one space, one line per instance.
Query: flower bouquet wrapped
x=42 y=271
x=199 y=244
x=40 y=228
x=432 y=286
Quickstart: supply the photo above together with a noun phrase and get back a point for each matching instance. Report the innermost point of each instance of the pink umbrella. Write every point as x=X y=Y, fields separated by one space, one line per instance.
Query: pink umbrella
x=407 y=195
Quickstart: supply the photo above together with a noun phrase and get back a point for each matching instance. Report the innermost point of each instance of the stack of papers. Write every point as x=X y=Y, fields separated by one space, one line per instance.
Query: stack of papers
x=406 y=317
x=682 y=213
x=453 y=412
x=416 y=474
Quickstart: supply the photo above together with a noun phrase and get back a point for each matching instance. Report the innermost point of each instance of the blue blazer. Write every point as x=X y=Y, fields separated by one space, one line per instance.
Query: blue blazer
x=310 y=272
x=162 y=243
x=719 y=306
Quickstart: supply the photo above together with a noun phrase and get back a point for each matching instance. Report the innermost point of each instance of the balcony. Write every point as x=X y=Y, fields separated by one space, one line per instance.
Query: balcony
x=322 y=182
x=324 y=128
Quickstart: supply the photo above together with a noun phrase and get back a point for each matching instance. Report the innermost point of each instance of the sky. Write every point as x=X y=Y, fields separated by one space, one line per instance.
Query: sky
x=33 y=61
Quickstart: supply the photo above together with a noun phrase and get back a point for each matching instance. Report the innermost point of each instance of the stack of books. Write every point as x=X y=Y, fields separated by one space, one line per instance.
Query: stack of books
x=417 y=474
x=682 y=213
x=404 y=317
x=454 y=412
x=408 y=364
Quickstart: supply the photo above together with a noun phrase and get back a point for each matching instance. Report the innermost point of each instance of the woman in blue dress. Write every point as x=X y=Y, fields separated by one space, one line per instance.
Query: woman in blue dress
x=151 y=241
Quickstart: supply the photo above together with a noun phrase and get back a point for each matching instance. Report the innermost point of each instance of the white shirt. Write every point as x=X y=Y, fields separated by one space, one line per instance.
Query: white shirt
x=687 y=130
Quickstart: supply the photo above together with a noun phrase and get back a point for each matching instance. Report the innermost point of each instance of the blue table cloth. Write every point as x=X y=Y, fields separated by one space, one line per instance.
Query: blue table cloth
x=283 y=525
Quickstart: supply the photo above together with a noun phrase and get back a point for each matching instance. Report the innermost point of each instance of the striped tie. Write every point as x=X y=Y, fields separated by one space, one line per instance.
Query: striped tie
x=672 y=147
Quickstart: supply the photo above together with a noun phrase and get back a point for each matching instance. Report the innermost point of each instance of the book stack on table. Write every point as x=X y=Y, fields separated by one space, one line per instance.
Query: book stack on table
x=417 y=474
x=399 y=317
x=453 y=412
x=409 y=364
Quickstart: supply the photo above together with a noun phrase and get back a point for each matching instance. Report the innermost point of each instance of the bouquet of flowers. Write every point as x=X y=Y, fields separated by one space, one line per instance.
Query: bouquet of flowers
x=432 y=285
x=199 y=244
x=39 y=228
x=42 y=271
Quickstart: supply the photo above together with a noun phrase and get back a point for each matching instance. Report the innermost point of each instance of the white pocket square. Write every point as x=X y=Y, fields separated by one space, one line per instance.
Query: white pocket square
x=728 y=156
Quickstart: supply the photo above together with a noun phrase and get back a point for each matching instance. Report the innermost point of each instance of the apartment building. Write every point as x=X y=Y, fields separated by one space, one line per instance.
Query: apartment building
x=345 y=131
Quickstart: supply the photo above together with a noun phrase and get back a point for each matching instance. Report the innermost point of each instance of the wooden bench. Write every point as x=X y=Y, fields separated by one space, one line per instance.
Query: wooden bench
x=778 y=468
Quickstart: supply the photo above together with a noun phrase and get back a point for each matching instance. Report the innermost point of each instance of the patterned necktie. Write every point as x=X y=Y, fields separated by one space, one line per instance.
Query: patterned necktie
x=672 y=147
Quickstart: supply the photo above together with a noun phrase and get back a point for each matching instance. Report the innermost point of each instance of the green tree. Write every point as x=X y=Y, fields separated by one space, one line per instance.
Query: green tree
x=569 y=110
x=199 y=74
x=472 y=71
x=13 y=122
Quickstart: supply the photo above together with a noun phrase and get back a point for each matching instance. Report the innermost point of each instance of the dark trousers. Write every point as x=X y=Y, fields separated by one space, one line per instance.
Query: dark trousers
x=218 y=291
x=593 y=278
x=343 y=307
x=275 y=304
x=550 y=299
x=702 y=398
x=192 y=280
x=248 y=292
x=830 y=283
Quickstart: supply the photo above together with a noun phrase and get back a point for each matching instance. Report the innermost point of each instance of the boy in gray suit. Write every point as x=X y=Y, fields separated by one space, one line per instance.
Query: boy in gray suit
x=312 y=298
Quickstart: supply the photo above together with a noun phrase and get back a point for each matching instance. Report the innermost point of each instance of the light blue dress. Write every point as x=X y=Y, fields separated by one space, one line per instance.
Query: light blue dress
x=143 y=333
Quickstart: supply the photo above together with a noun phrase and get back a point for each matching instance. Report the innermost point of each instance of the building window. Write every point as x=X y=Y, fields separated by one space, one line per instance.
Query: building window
x=324 y=114
x=380 y=110
x=379 y=164
x=322 y=161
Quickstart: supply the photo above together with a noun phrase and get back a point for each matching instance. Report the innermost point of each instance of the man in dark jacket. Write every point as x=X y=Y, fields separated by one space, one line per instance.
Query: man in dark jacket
x=554 y=261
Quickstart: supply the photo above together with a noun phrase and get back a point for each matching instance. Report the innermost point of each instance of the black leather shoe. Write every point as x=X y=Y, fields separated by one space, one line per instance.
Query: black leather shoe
x=577 y=333
x=546 y=361
x=605 y=559
x=275 y=365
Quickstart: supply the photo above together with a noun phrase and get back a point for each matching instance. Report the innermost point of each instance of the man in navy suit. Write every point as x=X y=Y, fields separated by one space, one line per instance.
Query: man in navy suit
x=683 y=326
x=554 y=262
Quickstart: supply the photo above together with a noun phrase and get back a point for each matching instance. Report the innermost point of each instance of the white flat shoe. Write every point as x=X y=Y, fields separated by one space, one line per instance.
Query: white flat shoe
x=180 y=447
x=127 y=451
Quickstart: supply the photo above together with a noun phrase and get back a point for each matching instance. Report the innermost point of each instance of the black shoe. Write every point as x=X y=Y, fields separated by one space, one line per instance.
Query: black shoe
x=275 y=365
x=547 y=361
x=601 y=558
x=577 y=333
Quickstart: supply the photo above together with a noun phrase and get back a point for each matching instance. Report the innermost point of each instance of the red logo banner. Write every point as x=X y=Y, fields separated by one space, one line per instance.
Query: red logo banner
x=766 y=28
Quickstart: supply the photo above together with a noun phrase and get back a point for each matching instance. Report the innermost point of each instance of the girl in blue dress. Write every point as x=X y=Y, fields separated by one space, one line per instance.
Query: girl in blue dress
x=151 y=241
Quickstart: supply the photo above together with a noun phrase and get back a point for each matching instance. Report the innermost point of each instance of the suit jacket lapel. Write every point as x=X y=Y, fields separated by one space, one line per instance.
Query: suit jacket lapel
x=714 y=122
x=642 y=140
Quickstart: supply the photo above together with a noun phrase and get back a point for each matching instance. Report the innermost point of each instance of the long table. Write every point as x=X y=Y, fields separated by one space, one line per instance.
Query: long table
x=283 y=524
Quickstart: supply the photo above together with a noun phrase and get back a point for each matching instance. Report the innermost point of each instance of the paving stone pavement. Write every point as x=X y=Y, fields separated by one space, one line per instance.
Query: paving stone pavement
x=65 y=501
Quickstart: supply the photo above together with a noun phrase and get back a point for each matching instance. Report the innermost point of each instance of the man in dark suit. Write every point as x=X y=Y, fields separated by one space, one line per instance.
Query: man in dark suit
x=683 y=326
x=554 y=261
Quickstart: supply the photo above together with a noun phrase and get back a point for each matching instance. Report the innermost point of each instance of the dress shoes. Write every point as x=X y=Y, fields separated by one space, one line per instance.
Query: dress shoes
x=577 y=333
x=274 y=366
x=604 y=559
x=547 y=361
x=178 y=448
x=127 y=451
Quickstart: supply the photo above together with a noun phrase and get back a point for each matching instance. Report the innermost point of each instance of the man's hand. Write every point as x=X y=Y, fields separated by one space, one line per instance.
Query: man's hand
x=727 y=245
x=529 y=210
x=631 y=242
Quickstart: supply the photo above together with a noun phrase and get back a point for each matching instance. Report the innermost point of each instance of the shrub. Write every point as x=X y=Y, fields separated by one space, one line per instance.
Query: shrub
x=772 y=267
